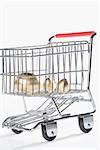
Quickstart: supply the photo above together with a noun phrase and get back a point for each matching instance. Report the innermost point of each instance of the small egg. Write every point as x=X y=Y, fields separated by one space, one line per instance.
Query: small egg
x=62 y=86
x=48 y=85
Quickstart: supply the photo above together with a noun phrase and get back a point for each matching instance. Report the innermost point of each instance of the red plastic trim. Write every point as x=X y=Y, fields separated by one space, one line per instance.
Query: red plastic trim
x=90 y=33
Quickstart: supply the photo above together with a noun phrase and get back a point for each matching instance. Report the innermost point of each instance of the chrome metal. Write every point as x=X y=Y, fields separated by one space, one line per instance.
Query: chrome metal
x=18 y=65
x=76 y=67
x=92 y=100
x=14 y=71
x=57 y=61
x=70 y=58
x=51 y=129
x=90 y=61
x=9 y=73
x=39 y=68
x=82 y=74
x=46 y=46
x=32 y=71
x=56 y=106
x=25 y=107
x=48 y=74
x=3 y=71
x=88 y=121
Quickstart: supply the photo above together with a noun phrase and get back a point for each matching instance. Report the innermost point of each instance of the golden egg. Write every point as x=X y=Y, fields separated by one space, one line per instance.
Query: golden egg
x=62 y=86
x=27 y=83
x=48 y=85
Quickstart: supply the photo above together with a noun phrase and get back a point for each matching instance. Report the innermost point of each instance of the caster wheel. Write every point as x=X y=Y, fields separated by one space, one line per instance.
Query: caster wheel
x=86 y=123
x=49 y=131
x=17 y=131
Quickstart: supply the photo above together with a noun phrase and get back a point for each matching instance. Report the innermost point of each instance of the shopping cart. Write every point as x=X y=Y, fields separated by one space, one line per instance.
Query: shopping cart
x=56 y=77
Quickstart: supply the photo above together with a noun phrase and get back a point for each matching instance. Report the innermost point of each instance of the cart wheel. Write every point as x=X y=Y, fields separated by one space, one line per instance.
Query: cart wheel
x=86 y=123
x=49 y=131
x=17 y=131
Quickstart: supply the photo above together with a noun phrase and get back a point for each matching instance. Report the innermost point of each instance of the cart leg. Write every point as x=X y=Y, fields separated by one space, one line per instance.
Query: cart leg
x=49 y=130
x=86 y=123
x=25 y=108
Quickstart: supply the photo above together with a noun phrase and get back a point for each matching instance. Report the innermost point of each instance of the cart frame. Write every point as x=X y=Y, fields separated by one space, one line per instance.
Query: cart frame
x=48 y=122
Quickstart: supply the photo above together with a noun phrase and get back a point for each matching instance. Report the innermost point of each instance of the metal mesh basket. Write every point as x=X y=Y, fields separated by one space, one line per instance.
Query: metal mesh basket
x=56 y=61
x=60 y=73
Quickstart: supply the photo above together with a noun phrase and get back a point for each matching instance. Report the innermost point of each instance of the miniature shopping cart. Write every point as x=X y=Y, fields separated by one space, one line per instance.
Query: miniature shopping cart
x=35 y=72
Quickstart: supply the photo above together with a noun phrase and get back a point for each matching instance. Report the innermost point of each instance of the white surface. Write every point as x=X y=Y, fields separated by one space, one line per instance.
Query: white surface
x=29 y=23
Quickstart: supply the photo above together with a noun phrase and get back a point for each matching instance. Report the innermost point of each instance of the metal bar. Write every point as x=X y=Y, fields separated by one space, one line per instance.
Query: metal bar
x=48 y=96
x=73 y=100
x=75 y=67
x=22 y=68
x=9 y=72
x=44 y=46
x=49 y=60
x=45 y=70
x=63 y=60
x=42 y=104
x=32 y=72
x=39 y=69
x=59 y=72
x=56 y=107
x=3 y=71
x=26 y=69
x=22 y=82
x=14 y=72
x=90 y=62
x=48 y=54
x=82 y=74
x=18 y=68
x=25 y=61
x=25 y=107
x=92 y=100
x=52 y=70
x=70 y=59
x=58 y=61
x=64 y=100
x=6 y=72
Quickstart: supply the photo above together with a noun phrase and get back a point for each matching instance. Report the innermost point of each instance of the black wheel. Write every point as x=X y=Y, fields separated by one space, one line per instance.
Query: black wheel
x=82 y=127
x=17 y=131
x=44 y=133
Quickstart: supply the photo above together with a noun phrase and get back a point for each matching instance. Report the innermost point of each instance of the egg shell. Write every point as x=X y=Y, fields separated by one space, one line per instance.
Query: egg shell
x=48 y=85
x=62 y=86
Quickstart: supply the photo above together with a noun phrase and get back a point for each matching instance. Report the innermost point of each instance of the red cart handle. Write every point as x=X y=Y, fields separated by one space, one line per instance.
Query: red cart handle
x=75 y=34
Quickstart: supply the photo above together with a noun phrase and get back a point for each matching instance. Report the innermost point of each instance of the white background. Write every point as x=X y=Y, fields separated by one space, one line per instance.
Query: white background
x=33 y=22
